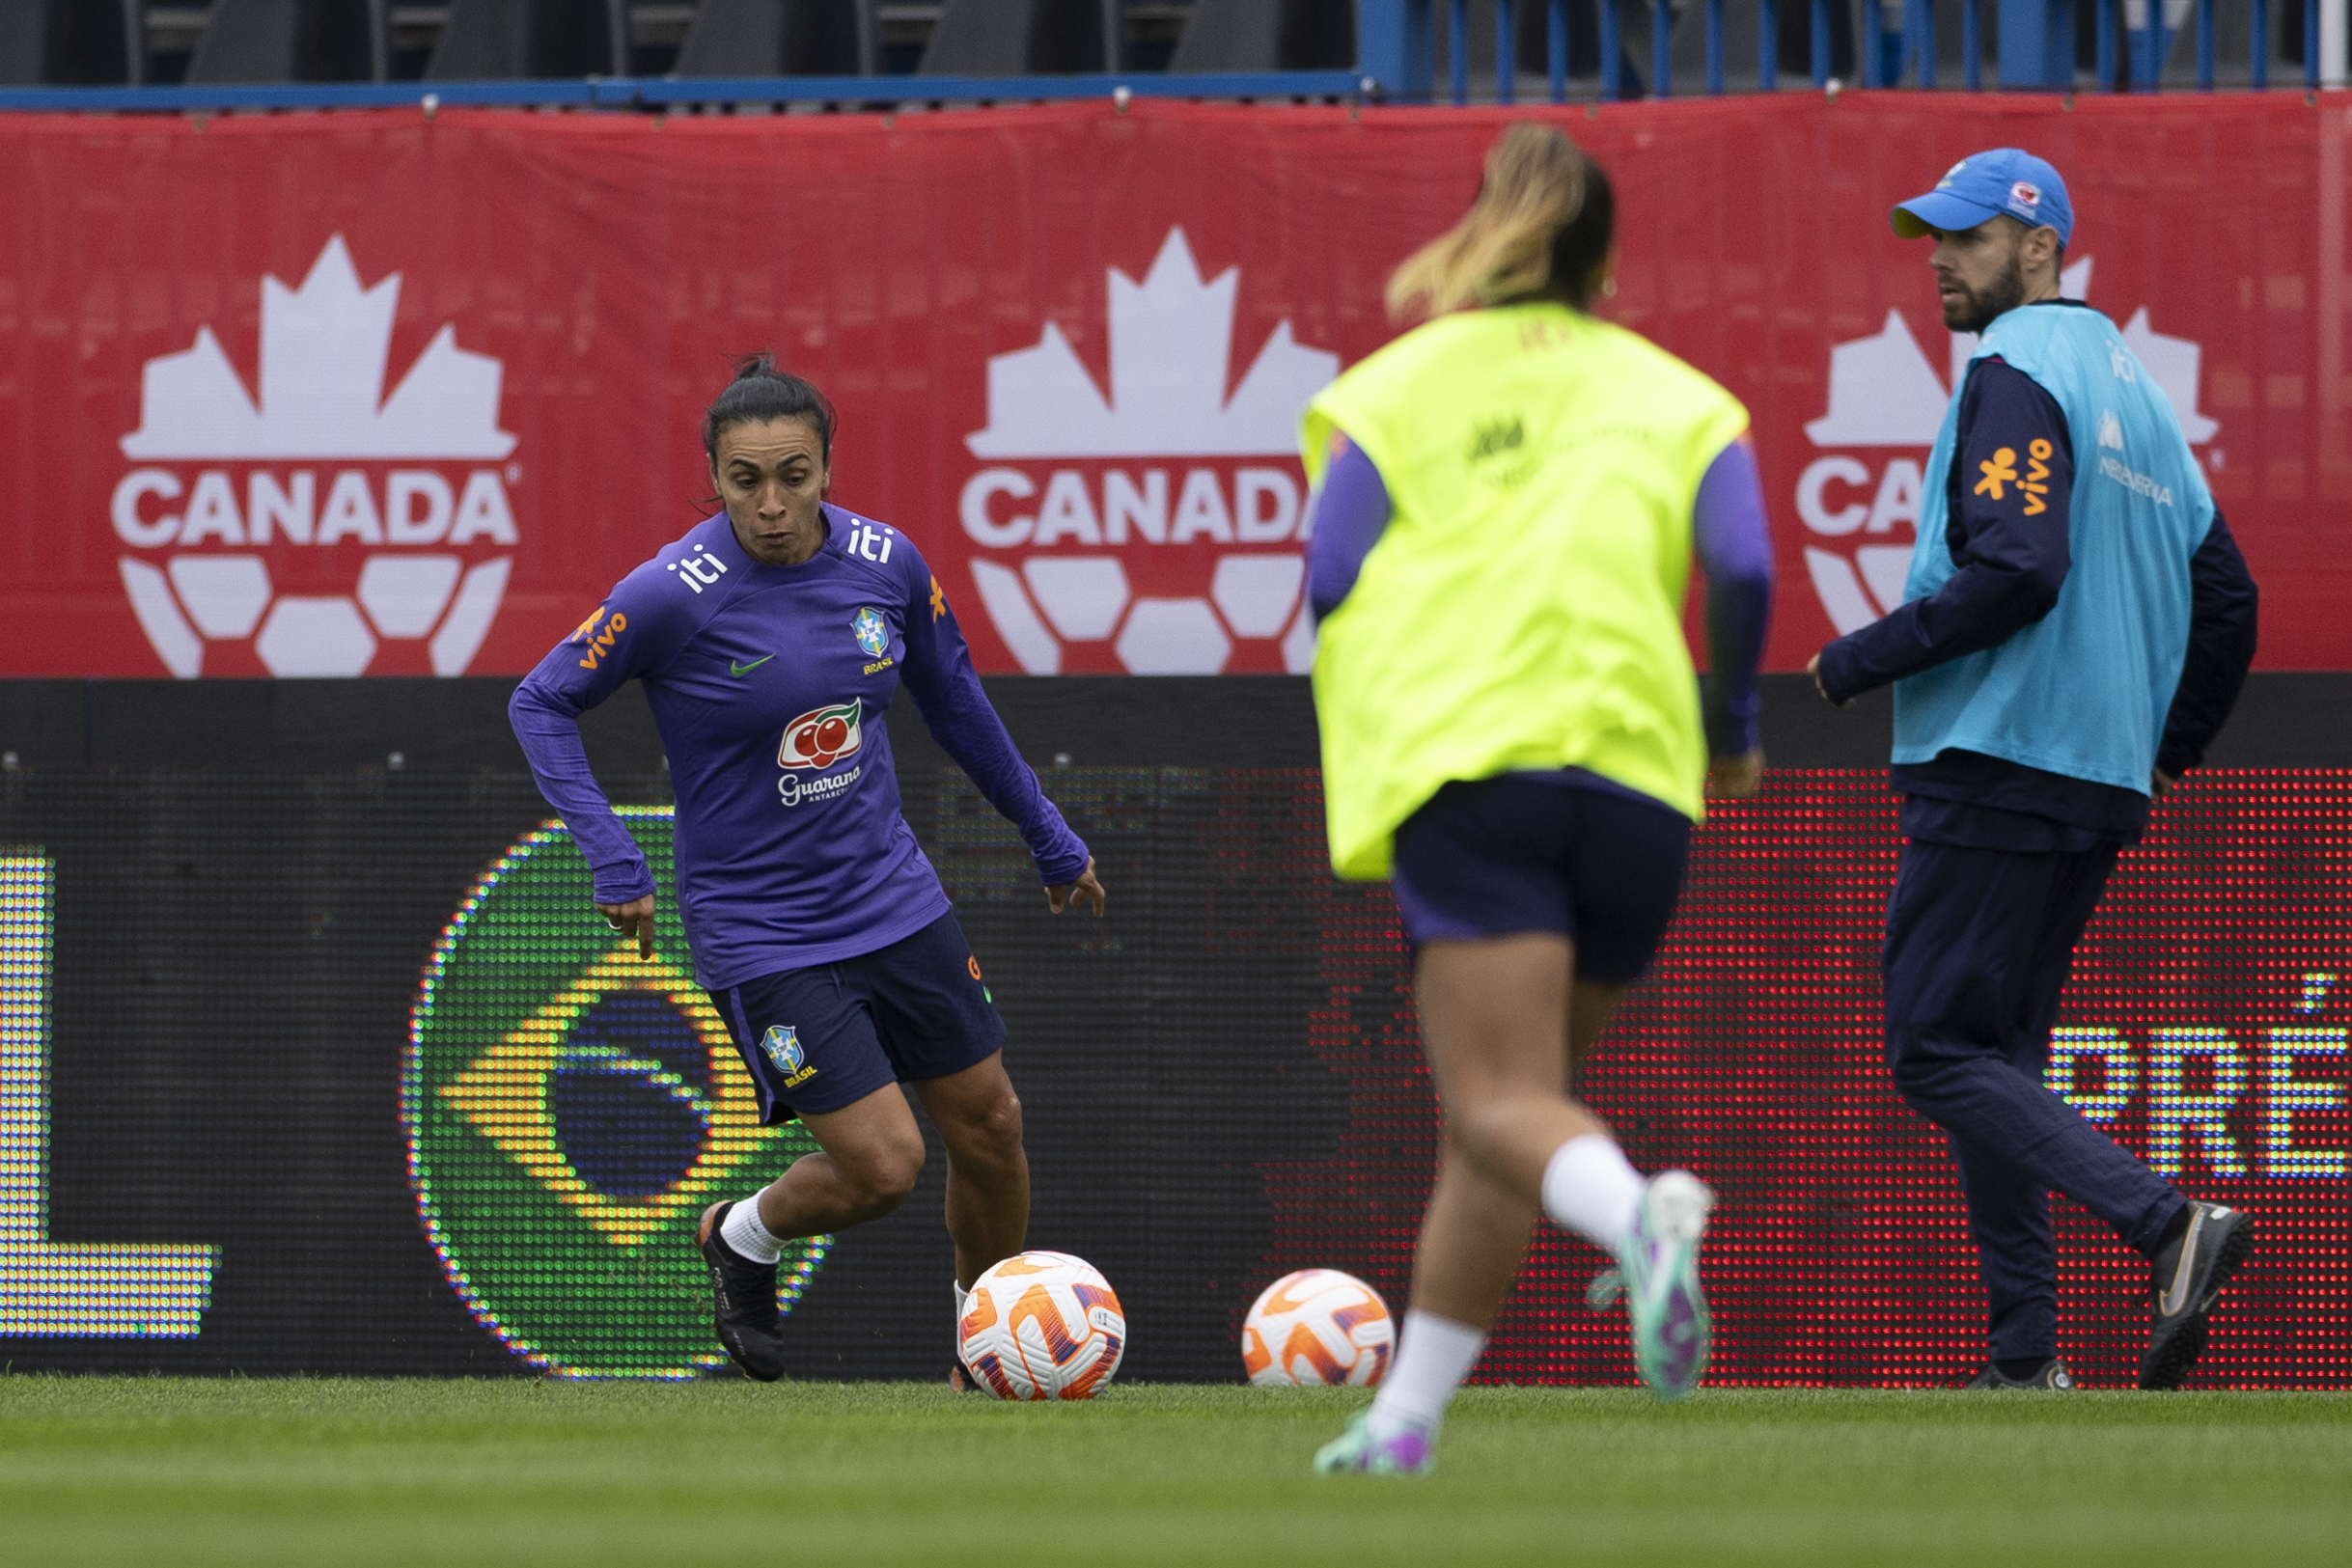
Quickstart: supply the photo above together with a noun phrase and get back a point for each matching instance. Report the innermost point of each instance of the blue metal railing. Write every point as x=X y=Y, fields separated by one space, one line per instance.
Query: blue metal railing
x=1396 y=55
x=651 y=91
x=2036 y=51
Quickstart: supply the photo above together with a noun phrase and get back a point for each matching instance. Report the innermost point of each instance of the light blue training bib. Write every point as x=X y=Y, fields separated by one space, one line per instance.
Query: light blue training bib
x=2084 y=691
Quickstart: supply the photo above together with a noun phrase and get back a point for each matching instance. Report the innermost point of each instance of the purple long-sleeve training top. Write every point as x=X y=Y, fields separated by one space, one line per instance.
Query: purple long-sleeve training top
x=770 y=686
x=1730 y=535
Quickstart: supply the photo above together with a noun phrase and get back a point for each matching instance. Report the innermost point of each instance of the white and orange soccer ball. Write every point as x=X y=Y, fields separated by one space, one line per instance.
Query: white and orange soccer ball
x=1042 y=1326
x=1318 y=1327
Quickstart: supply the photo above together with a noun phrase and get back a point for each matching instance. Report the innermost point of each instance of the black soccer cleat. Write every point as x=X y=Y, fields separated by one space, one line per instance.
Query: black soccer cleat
x=960 y=1378
x=2189 y=1277
x=2053 y=1374
x=743 y=1301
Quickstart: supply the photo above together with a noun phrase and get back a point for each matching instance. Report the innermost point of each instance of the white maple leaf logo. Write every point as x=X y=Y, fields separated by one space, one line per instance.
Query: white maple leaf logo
x=1171 y=340
x=325 y=352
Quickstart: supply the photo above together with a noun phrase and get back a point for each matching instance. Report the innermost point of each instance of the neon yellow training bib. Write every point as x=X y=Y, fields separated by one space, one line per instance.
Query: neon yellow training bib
x=1523 y=611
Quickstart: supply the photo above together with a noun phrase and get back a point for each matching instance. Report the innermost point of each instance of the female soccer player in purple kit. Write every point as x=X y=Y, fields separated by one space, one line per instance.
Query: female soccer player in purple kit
x=770 y=640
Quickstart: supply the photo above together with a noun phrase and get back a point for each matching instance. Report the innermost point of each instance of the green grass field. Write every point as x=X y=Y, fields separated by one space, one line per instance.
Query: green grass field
x=170 y=1471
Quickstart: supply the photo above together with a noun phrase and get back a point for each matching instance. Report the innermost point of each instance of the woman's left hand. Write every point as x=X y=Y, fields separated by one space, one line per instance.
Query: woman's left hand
x=632 y=918
x=1085 y=891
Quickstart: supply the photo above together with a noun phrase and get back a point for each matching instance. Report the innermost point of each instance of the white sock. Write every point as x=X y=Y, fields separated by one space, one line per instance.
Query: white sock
x=1433 y=1357
x=961 y=1295
x=747 y=1235
x=1590 y=1189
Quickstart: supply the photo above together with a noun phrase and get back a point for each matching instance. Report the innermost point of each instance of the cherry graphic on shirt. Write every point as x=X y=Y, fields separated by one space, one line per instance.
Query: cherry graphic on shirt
x=818 y=737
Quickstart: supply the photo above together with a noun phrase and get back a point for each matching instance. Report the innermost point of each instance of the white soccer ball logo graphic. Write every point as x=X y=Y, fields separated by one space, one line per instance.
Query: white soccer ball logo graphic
x=1087 y=599
x=403 y=598
x=1317 y=1328
x=1042 y=1326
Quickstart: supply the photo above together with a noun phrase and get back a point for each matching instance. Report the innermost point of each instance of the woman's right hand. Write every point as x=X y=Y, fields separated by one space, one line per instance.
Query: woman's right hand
x=1735 y=776
x=632 y=918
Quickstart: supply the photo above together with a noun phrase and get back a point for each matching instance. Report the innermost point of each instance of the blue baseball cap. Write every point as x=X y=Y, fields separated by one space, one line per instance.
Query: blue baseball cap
x=2007 y=180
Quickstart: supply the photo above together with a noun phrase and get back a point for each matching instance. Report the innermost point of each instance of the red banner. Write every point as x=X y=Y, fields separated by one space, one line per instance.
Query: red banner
x=377 y=394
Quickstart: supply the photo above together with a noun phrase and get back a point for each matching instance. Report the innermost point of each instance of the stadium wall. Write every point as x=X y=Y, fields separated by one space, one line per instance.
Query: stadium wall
x=404 y=393
x=311 y=1062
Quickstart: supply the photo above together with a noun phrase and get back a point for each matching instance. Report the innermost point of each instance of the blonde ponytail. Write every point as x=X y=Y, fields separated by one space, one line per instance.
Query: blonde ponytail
x=1502 y=248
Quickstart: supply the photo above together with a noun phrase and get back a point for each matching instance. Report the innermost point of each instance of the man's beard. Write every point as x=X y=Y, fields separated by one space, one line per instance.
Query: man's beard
x=1975 y=309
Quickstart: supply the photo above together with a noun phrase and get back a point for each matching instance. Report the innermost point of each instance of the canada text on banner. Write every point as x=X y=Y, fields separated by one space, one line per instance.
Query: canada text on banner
x=373 y=395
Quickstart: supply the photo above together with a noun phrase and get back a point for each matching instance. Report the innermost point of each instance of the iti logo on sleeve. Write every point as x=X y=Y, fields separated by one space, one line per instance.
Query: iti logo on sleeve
x=698 y=570
x=1168 y=477
x=233 y=511
x=1859 y=497
x=570 y=1110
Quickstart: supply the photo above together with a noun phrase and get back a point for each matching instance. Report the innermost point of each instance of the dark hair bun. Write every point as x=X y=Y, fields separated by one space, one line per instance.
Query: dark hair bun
x=761 y=394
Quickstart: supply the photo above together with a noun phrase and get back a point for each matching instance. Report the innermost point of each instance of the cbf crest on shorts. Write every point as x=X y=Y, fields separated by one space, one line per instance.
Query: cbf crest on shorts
x=782 y=1048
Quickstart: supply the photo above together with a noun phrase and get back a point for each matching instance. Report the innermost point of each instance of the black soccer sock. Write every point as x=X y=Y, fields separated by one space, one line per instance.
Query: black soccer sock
x=2024 y=1371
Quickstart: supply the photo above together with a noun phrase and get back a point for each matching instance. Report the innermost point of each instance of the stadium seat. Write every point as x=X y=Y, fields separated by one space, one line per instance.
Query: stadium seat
x=779 y=38
x=69 y=42
x=1267 y=35
x=1023 y=38
x=508 y=39
x=293 y=41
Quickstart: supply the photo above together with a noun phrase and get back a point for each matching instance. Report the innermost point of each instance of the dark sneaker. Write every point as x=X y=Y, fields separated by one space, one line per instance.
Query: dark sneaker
x=960 y=1378
x=2189 y=1277
x=2053 y=1374
x=743 y=1301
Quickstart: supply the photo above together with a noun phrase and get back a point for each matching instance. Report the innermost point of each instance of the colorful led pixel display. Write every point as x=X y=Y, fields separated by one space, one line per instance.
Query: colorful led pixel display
x=50 y=1289
x=2204 y=1029
x=572 y=1109
x=1221 y=1082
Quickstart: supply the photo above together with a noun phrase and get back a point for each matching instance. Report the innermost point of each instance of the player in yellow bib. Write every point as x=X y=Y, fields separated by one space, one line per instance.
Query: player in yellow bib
x=1507 y=500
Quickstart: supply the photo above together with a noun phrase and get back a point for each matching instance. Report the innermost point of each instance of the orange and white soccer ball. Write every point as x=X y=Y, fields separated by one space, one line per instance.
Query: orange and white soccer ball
x=1317 y=1326
x=1042 y=1326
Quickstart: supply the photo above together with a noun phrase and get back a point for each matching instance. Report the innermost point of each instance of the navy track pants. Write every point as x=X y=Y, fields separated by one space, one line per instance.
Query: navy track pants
x=1978 y=945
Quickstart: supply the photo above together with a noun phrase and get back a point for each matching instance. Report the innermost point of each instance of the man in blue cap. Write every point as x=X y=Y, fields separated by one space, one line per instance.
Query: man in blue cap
x=2075 y=628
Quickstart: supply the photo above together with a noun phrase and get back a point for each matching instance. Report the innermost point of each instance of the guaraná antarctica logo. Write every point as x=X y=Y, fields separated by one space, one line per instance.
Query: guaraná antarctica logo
x=322 y=528
x=1168 y=486
x=572 y=1109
